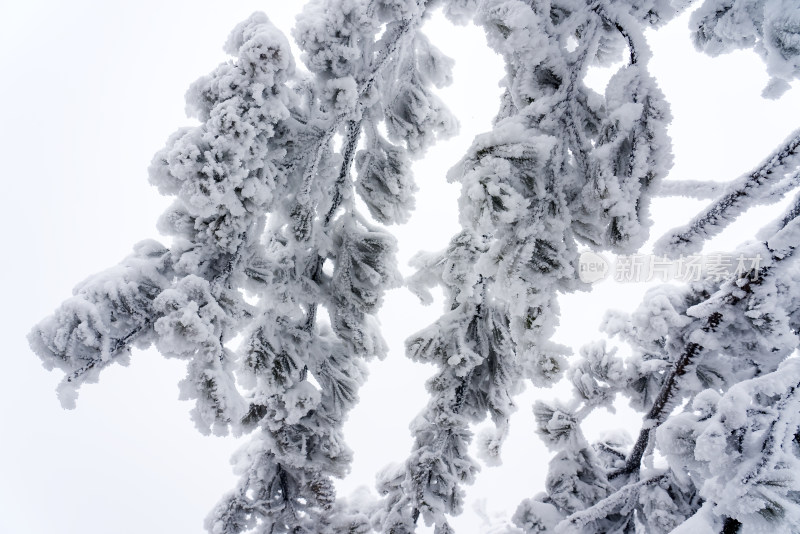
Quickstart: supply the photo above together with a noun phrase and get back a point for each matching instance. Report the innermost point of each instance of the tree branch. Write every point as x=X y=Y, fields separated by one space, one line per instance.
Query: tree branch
x=314 y=270
x=303 y=208
x=703 y=190
x=714 y=218
x=117 y=346
x=618 y=499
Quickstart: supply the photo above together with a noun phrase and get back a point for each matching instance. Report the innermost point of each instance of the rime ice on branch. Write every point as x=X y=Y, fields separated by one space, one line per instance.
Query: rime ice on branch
x=712 y=369
x=562 y=166
x=770 y=27
x=265 y=206
x=264 y=200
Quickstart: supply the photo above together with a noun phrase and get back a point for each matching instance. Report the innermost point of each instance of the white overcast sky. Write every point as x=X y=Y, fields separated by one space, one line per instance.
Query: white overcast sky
x=89 y=91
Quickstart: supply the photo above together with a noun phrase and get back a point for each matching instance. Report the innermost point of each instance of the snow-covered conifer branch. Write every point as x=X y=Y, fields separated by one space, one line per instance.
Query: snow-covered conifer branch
x=770 y=28
x=260 y=191
x=729 y=295
x=561 y=164
x=690 y=188
x=740 y=449
x=265 y=204
x=108 y=312
x=620 y=499
x=740 y=195
x=689 y=344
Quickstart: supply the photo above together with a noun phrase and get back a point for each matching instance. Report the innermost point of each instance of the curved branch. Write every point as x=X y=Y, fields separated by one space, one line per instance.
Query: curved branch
x=632 y=45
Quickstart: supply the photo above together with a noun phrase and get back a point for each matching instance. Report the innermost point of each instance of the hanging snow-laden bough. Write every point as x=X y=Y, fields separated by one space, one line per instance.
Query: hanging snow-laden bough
x=725 y=350
x=563 y=165
x=265 y=200
x=713 y=369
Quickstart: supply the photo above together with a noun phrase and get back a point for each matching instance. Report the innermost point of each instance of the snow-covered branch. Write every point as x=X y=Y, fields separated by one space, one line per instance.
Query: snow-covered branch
x=740 y=195
x=621 y=498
